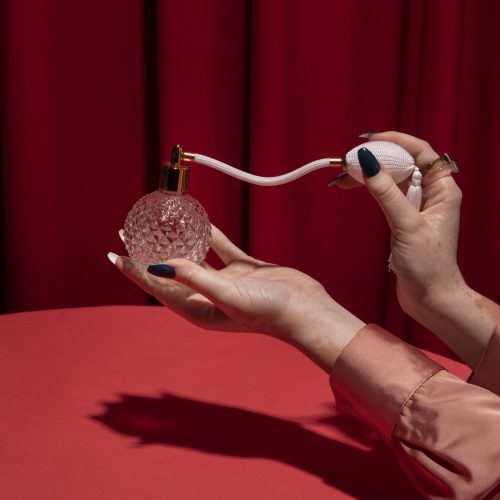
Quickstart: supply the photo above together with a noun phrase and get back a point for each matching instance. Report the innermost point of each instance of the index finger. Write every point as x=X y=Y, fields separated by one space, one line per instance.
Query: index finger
x=421 y=150
x=225 y=249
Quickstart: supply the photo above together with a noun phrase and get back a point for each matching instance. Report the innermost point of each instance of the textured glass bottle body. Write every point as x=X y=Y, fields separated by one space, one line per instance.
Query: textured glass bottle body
x=167 y=225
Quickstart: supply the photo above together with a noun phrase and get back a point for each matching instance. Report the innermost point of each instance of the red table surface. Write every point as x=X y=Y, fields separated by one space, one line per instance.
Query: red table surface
x=136 y=403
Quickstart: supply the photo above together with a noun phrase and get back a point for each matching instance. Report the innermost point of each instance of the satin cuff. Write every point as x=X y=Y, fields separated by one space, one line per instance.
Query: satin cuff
x=444 y=432
x=376 y=374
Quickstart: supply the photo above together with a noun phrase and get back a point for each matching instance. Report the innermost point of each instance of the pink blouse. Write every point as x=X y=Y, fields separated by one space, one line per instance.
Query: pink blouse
x=445 y=432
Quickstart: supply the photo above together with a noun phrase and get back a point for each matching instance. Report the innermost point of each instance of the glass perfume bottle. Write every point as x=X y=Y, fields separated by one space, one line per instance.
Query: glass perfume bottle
x=168 y=223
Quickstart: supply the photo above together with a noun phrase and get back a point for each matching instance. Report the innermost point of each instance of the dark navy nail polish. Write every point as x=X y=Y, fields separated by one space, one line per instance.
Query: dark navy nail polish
x=337 y=179
x=368 y=162
x=161 y=270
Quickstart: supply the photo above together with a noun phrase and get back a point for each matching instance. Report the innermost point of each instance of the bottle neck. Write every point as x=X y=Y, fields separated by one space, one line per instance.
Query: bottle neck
x=174 y=179
x=171 y=193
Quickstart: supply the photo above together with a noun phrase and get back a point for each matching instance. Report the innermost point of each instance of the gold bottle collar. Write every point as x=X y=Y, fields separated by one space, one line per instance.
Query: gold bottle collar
x=173 y=175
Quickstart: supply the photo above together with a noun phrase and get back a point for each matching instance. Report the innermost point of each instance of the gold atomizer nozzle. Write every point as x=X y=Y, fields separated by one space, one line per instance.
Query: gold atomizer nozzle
x=338 y=162
x=188 y=156
x=173 y=175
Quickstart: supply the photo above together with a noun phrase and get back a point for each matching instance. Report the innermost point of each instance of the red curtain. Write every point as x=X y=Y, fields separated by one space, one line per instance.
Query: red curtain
x=94 y=94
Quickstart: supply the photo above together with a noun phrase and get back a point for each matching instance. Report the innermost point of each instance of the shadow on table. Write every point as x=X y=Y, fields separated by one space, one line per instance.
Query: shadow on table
x=177 y=421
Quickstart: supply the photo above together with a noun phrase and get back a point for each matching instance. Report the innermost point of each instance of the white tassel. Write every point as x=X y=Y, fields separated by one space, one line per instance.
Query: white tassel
x=414 y=194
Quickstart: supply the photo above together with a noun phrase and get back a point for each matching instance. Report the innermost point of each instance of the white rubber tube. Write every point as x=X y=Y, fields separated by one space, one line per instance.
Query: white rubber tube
x=398 y=161
x=257 y=179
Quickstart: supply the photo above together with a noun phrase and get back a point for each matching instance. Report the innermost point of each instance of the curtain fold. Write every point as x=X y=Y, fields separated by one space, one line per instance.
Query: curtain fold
x=202 y=75
x=94 y=95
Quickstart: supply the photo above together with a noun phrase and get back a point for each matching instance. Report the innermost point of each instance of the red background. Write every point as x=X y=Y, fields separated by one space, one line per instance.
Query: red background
x=94 y=94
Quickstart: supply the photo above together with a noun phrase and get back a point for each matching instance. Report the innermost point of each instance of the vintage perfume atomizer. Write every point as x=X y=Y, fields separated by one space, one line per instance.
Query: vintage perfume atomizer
x=169 y=223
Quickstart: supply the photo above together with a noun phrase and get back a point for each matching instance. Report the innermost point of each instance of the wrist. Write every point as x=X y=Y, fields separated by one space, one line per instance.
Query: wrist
x=460 y=316
x=443 y=297
x=419 y=300
x=323 y=335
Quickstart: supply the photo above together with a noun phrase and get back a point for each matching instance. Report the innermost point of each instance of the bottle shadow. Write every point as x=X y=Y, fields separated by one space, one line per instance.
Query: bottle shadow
x=213 y=428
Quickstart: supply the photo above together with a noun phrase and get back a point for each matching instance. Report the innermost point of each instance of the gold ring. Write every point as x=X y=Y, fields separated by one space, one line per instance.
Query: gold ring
x=438 y=164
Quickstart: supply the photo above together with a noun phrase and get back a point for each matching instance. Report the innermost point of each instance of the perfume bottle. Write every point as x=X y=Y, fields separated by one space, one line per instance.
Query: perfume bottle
x=168 y=223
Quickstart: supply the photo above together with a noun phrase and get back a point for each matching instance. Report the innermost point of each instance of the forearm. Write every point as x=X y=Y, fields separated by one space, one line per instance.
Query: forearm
x=323 y=337
x=462 y=318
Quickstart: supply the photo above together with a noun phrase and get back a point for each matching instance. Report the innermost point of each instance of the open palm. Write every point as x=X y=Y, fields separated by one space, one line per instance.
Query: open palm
x=245 y=295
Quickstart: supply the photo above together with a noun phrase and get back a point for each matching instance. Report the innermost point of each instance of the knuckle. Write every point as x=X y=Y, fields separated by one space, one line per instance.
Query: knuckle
x=387 y=192
x=451 y=192
x=425 y=144
x=190 y=276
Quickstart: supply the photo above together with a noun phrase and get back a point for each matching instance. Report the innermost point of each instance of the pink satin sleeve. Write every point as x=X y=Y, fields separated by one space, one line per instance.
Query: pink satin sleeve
x=444 y=432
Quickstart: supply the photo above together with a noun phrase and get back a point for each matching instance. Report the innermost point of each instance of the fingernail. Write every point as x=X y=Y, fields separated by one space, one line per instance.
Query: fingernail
x=161 y=270
x=112 y=257
x=367 y=134
x=337 y=179
x=368 y=162
x=121 y=233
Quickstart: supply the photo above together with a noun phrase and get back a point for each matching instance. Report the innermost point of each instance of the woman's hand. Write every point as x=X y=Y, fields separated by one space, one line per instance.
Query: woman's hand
x=423 y=244
x=249 y=295
x=430 y=286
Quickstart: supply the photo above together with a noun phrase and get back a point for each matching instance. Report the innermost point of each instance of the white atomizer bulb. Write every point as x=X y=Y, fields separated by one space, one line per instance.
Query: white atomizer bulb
x=168 y=223
x=397 y=160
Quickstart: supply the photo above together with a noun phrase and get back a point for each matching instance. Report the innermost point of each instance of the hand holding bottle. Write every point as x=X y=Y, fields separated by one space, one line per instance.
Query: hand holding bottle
x=249 y=295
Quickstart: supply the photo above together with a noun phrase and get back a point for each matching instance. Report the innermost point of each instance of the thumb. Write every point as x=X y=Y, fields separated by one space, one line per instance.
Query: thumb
x=399 y=212
x=205 y=281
